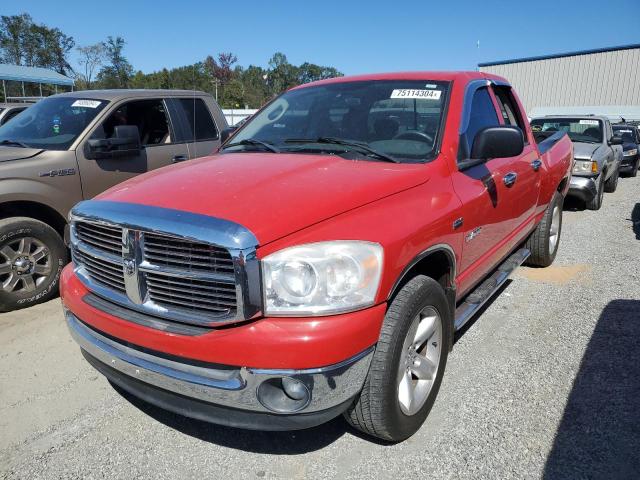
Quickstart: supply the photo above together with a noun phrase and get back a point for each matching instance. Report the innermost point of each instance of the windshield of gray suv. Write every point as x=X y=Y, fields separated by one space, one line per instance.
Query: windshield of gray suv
x=586 y=130
x=385 y=120
x=51 y=124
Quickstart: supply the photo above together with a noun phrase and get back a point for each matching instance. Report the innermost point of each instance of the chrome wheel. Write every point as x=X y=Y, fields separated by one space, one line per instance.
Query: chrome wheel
x=420 y=360
x=554 y=230
x=25 y=264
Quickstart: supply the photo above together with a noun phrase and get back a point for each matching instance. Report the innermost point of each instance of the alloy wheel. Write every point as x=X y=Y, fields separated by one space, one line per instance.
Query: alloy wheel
x=554 y=230
x=25 y=264
x=420 y=360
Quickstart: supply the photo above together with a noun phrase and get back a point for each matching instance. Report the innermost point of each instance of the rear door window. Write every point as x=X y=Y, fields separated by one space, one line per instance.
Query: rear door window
x=197 y=122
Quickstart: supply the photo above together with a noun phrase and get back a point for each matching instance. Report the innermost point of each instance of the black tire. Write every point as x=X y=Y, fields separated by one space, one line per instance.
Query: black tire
x=45 y=241
x=636 y=166
x=611 y=184
x=542 y=252
x=376 y=411
x=596 y=202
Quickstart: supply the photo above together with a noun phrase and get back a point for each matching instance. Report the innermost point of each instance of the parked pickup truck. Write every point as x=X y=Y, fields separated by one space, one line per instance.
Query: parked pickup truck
x=598 y=154
x=72 y=146
x=322 y=261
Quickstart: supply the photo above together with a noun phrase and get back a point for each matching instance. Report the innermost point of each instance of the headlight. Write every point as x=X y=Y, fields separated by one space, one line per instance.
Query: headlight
x=630 y=153
x=322 y=278
x=585 y=166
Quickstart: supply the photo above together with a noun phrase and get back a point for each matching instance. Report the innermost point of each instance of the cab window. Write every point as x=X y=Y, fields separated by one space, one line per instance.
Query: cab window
x=483 y=114
x=148 y=115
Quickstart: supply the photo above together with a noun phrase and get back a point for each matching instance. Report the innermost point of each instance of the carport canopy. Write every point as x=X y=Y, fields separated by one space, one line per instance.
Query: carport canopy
x=19 y=73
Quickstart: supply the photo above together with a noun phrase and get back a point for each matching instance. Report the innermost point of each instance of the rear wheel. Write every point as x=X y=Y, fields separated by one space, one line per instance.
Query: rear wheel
x=408 y=363
x=596 y=202
x=543 y=242
x=32 y=255
x=611 y=184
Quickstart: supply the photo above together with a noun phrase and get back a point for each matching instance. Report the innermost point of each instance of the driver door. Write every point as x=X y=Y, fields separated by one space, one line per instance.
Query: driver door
x=156 y=137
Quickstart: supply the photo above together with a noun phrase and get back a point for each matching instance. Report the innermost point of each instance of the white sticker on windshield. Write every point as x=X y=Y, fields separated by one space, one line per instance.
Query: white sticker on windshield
x=589 y=122
x=86 y=103
x=431 y=85
x=411 y=93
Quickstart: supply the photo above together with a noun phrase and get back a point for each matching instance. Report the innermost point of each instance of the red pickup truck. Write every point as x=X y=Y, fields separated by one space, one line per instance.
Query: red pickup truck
x=322 y=260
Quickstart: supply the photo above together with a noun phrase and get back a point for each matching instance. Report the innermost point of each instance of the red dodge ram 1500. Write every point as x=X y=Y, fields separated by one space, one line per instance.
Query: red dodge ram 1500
x=322 y=260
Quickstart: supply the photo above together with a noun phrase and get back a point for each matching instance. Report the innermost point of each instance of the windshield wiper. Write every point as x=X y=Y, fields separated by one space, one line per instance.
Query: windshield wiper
x=14 y=143
x=253 y=142
x=346 y=143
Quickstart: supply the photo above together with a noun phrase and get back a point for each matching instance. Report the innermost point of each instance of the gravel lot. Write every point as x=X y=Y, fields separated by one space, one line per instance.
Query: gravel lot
x=545 y=383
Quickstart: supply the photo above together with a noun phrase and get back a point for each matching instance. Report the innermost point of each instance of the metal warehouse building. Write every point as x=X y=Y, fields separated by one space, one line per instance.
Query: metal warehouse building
x=603 y=77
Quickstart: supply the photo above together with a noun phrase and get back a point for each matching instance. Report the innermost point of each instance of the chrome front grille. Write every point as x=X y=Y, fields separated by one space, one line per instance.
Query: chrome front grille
x=162 y=274
x=174 y=252
x=194 y=295
x=106 y=238
x=102 y=271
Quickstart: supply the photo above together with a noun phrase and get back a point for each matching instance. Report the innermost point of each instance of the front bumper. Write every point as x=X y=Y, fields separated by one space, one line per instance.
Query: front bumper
x=220 y=394
x=628 y=163
x=584 y=188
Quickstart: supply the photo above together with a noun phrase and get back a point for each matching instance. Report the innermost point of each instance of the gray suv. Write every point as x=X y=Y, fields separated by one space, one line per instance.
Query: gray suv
x=597 y=154
x=73 y=146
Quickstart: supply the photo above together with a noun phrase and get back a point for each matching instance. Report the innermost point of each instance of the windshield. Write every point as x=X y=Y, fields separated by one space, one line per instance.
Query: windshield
x=397 y=118
x=585 y=130
x=625 y=132
x=53 y=123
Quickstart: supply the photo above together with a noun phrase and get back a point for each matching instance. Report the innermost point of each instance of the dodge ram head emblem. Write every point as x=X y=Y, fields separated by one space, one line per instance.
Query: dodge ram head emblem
x=129 y=266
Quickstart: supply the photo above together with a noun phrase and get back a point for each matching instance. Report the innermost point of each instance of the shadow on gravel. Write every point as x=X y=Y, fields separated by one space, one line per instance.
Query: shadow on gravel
x=274 y=443
x=635 y=219
x=599 y=435
x=574 y=204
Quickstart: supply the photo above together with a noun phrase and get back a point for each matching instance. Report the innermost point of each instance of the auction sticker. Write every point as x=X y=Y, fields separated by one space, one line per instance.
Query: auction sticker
x=86 y=103
x=589 y=122
x=411 y=93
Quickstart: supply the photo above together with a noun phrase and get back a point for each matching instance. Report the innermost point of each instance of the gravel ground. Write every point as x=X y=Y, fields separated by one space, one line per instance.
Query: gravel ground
x=545 y=383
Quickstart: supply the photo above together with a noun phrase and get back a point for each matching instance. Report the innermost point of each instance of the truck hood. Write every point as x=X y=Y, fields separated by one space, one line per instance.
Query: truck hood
x=17 y=153
x=271 y=194
x=585 y=150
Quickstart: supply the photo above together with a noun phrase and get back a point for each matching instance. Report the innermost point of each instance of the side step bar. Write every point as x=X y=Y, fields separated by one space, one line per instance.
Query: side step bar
x=483 y=292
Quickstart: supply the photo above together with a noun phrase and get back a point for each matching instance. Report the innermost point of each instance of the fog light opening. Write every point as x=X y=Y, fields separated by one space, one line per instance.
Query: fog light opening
x=284 y=394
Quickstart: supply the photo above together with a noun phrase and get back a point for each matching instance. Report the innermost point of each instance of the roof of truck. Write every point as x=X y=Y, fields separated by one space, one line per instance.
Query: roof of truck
x=425 y=75
x=118 y=94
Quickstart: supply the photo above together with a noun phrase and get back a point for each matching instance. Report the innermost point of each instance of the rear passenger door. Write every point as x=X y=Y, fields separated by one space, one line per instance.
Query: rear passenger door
x=526 y=172
x=195 y=125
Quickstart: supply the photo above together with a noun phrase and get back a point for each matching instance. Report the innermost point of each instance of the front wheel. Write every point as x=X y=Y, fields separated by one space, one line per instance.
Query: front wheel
x=408 y=363
x=596 y=202
x=636 y=166
x=32 y=255
x=611 y=184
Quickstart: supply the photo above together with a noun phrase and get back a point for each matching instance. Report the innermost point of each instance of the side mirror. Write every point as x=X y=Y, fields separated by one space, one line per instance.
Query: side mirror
x=124 y=143
x=498 y=142
x=227 y=132
x=616 y=141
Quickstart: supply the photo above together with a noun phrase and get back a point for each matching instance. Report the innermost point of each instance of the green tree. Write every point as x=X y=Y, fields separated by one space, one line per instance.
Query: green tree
x=118 y=71
x=91 y=58
x=23 y=42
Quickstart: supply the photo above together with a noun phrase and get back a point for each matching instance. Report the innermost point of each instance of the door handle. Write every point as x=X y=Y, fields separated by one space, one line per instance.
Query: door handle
x=510 y=178
x=536 y=164
x=179 y=158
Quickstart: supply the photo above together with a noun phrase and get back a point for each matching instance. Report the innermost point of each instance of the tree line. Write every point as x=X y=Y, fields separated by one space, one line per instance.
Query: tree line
x=105 y=65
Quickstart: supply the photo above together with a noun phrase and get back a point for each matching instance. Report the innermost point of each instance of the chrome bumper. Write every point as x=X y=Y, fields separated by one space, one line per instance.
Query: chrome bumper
x=232 y=387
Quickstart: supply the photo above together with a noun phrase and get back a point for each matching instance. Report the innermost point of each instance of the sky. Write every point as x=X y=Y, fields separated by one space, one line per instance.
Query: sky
x=353 y=36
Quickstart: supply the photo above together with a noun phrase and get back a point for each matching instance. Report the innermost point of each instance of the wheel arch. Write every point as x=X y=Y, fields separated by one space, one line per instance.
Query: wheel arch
x=35 y=210
x=437 y=262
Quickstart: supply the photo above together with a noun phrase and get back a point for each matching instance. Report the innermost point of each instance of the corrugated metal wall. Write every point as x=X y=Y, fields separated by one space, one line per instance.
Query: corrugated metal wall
x=606 y=78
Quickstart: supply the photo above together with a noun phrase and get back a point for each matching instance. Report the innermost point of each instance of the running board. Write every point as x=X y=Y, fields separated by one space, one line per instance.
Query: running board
x=483 y=292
